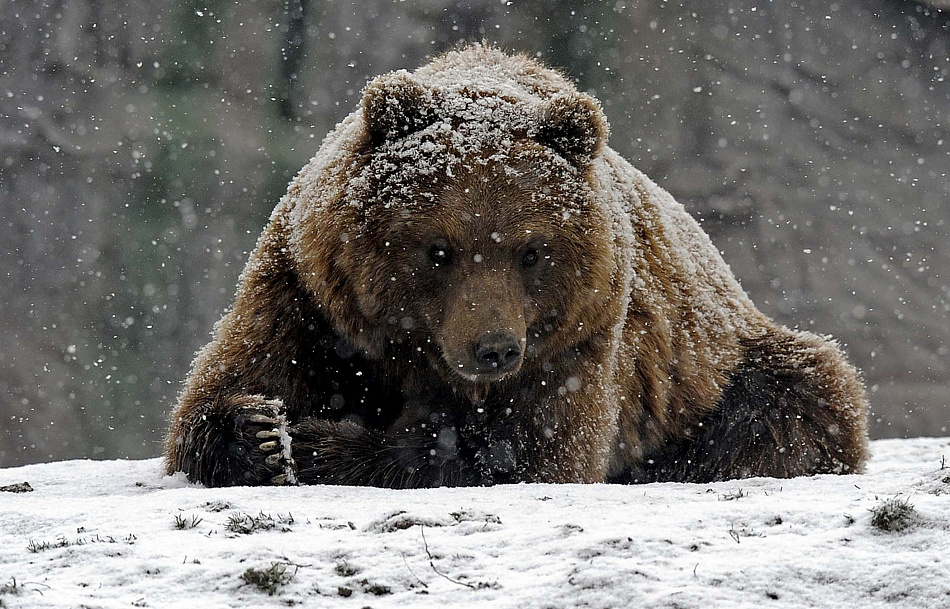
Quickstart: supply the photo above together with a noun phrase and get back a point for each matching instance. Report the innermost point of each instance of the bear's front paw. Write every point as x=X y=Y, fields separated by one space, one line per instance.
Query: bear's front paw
x=263 y=444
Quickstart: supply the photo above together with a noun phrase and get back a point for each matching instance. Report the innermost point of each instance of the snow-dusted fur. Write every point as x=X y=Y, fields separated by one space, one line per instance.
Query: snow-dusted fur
x=466 y=285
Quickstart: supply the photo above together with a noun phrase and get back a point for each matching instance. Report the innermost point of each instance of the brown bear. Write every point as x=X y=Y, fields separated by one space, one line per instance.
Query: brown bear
x=467 y=286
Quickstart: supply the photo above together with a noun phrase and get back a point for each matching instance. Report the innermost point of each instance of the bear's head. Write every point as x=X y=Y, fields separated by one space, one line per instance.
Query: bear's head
x=469 y=233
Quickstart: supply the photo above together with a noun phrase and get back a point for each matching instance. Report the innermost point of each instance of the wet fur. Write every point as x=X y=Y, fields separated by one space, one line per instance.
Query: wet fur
x=624 y=383
x=774 y=418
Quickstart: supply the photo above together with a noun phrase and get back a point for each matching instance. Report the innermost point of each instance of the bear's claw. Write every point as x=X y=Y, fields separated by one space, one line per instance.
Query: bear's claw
x=265 y=448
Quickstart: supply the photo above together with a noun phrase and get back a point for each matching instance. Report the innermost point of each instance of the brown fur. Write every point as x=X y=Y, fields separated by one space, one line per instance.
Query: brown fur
x=628 y=351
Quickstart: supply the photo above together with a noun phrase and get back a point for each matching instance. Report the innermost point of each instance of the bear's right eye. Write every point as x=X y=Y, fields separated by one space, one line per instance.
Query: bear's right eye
x=439 y=253
x=530 y=257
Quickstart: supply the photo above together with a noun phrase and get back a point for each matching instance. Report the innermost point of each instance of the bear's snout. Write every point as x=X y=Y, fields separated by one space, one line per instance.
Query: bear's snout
x=497 y=352
x=483 y=333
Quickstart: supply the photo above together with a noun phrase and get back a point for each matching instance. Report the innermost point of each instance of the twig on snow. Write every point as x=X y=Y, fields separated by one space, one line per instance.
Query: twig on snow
x=432 y=563
x=734 y=533
x=418 y=579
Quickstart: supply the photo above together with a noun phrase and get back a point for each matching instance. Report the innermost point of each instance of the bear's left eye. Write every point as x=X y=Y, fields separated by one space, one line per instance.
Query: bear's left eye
x=439 y=252
x=530 y=257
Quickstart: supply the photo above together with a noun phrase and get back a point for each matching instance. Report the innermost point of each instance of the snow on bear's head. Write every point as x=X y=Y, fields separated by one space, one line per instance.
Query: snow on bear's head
x=468 y=226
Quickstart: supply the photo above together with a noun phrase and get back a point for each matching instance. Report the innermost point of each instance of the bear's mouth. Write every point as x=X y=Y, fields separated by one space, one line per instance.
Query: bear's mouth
x=468 y=372
x=473 y=385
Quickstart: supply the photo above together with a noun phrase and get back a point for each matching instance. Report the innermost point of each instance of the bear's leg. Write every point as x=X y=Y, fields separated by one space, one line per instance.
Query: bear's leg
x=342 y=452
x=230 y=441
x=792 y=407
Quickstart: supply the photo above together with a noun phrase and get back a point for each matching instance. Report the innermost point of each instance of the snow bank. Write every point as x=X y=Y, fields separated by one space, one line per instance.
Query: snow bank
x=119 y=534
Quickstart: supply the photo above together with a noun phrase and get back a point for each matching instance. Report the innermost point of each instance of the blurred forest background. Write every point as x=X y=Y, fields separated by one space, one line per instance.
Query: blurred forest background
x=143 y=145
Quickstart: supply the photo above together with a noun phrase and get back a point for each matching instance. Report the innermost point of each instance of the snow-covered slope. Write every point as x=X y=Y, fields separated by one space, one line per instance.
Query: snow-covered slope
x=119 y=534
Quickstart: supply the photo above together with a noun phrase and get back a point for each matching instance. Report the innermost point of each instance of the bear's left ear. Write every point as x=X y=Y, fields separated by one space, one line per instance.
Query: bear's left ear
x=574 y=125
x=395 y=105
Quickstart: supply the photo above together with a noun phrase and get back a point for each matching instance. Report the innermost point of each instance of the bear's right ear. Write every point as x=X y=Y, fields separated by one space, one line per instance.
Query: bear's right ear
x=395 y=105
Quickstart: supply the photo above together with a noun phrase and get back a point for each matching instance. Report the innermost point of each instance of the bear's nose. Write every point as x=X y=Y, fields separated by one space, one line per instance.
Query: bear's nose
x=497 y=352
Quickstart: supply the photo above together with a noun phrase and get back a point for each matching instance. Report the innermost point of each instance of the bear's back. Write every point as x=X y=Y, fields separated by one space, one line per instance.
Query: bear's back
x=486 y=69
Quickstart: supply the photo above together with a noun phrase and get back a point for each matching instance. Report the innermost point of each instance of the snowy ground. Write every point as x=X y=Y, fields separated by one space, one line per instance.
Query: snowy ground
x=119 y=534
